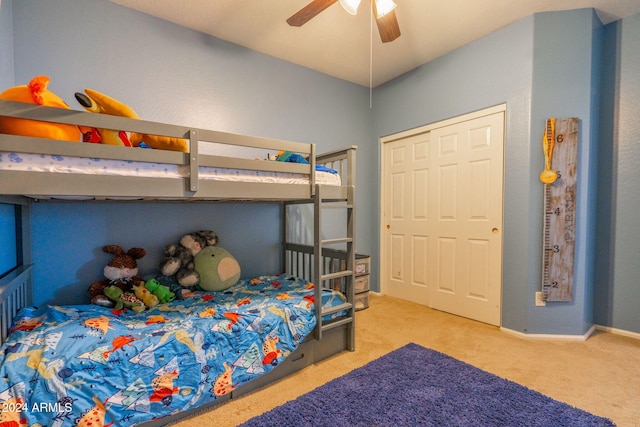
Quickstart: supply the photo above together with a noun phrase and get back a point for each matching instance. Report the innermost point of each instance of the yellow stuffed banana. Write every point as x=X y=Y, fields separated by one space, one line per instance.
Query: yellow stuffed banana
x=104 y=104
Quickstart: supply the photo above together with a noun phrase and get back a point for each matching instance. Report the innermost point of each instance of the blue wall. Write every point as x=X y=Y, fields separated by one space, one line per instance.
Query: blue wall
x=493 y=70
x=544 y=65
x=625 y=314
x=69 y=254
x=564 y=85
x=171 y=74
x=6 y=45
x=617 y=292
x=7 y=212
x=8 y=248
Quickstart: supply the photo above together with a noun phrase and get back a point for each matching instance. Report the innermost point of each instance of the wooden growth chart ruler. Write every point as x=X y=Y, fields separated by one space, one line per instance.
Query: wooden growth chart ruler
x=560 y=146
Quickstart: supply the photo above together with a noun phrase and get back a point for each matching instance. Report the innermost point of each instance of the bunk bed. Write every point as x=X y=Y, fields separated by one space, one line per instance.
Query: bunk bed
x=318 y=278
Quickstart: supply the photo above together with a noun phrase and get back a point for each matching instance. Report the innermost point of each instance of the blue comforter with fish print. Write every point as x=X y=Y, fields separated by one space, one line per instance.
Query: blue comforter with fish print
x=87 y=365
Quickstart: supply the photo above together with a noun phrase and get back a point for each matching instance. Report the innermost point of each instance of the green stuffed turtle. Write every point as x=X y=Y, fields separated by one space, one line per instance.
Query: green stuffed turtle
x=124 y=299
x=218 y=269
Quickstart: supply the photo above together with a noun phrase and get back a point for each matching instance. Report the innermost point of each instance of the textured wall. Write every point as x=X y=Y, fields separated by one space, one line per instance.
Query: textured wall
x=6 y=44
x=617 y=293
x=172 y=74
x=7 y=216
x=540 y=67
x=7 y=238
x=493 y=70
x=626 y=297
x=564 y=82
x=176 y=75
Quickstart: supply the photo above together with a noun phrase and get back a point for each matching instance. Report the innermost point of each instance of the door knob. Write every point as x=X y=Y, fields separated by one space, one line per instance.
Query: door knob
x=494 y=230
x=388 y=227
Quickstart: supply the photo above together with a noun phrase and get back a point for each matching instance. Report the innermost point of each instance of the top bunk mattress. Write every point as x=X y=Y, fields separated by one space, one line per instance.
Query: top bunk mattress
x=96 y=166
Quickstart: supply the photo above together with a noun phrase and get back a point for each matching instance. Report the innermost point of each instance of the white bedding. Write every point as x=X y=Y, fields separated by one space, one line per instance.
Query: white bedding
x=60 y=164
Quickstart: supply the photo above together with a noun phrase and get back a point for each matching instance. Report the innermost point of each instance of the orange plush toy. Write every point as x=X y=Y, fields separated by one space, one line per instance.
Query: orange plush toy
x=97 y=102
x=36 y=93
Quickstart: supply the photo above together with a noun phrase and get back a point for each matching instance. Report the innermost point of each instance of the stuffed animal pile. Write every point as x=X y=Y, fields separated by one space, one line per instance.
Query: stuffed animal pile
x=35 y=92
x=178 y=261
x=217 y=268
x=122 y=288
x=121 y=300
x=121 y=272
x=163 y=293
x=197 y=262
x=96 y=102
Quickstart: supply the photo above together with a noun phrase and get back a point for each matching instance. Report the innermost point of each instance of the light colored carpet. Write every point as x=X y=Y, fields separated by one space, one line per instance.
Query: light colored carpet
x=601 y=375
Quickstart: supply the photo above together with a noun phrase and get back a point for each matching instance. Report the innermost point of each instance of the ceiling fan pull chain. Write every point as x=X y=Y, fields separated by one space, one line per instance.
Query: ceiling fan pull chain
x=371 y=60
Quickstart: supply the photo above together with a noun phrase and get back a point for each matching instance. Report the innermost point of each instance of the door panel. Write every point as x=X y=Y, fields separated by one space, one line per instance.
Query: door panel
x=473 y=266
x=446 y=266
x=419 y=251
x=406 y=243
x=397 y=257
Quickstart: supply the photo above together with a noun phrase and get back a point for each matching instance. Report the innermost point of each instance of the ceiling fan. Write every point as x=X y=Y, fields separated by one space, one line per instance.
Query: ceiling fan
x=383 y=11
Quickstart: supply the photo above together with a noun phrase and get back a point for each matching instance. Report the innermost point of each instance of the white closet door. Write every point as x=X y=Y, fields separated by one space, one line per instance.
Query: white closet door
x=442 y=213
x=404 y=249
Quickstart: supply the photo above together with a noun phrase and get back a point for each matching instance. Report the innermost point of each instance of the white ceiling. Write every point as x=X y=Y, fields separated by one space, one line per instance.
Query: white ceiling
x=349 y=47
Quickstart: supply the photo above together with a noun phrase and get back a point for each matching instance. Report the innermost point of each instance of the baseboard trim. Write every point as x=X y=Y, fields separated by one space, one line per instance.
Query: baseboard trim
x=554 y=337
x=617 y=331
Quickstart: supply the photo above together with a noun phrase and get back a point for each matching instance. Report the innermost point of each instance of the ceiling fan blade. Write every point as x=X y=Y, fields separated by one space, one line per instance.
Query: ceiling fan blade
x=387 y=25
x=305 y=14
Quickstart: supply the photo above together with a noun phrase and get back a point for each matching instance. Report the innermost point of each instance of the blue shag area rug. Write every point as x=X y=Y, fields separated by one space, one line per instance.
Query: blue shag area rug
x=415 y=386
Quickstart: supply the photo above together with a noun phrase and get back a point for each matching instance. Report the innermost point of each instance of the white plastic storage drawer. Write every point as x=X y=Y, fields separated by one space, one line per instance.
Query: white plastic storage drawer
x=362 y=284
x=362 y=301
x=363 y=264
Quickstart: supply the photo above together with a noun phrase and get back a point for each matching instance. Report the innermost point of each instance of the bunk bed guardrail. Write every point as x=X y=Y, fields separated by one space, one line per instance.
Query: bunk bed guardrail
x=190 y=186
x=15 y=293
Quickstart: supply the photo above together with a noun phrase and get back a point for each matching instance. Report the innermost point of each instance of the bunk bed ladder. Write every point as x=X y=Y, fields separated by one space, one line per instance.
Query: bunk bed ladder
x=343 y=273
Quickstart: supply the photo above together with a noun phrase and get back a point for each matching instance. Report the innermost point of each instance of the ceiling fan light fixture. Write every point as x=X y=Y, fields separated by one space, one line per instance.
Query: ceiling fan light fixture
x=351 y=6
x=383 y=7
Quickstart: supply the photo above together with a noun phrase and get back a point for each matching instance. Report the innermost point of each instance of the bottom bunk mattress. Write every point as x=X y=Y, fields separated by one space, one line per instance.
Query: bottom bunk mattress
x=89 y=365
